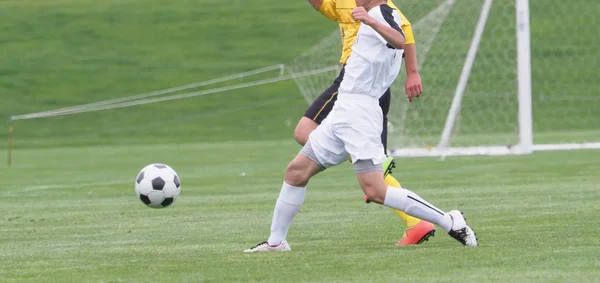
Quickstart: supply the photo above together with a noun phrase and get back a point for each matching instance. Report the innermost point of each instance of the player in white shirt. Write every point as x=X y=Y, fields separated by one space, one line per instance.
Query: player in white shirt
x=353 y=129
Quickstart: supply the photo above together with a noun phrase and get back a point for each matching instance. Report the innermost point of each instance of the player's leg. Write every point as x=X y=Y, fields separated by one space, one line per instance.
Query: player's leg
x=291 y=198
x=362 y=141
x=312 y=159
x=417 y=230
x=370 y=178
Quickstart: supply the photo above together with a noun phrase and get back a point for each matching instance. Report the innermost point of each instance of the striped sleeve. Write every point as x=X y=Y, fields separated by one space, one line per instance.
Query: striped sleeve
x=388 y=15
x=391 y=17
x=405 y=24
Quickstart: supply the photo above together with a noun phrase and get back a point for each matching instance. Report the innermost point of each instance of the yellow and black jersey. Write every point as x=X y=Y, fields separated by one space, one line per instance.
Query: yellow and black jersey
x=341 y=11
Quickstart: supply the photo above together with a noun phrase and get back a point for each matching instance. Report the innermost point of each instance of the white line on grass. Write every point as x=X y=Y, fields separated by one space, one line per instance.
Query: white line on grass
x=76 y=186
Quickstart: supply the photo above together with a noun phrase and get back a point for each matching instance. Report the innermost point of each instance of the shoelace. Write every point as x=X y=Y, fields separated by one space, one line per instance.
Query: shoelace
x=260 y=244
x=460 y=235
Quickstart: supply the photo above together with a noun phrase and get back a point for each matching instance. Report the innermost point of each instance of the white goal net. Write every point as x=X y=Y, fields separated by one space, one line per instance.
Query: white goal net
x=469 y=61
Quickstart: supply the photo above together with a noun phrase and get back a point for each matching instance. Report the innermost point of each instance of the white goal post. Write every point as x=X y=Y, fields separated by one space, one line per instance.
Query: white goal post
x=525 y=143
x=525 y=118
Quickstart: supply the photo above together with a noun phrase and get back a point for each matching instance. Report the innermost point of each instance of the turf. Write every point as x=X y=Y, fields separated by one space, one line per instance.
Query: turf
x=68 y=218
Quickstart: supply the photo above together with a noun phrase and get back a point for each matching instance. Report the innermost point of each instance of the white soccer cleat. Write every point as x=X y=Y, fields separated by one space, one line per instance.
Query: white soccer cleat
x=265 y=247
x=460 y=231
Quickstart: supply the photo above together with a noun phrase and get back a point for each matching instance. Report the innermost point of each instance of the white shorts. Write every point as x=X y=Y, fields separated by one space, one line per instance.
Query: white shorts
x=352 y=129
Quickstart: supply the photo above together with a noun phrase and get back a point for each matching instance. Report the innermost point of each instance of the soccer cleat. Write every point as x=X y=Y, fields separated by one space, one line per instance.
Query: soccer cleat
x=417 y=234
x=388 y=165
x=265 y=247
x=460 y=231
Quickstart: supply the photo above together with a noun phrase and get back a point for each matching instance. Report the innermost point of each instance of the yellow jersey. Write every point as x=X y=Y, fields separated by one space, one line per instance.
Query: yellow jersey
x=340 y=11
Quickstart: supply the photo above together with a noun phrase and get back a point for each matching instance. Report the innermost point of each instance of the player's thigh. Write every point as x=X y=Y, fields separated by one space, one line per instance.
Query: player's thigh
x=328 y=150
x=365 y=147
x=362 y=139
x=303 y=129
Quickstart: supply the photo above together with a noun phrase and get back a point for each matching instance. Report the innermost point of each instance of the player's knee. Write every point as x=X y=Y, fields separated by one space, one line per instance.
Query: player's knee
x=297 y=175
x=300 y=135
x=303 y=129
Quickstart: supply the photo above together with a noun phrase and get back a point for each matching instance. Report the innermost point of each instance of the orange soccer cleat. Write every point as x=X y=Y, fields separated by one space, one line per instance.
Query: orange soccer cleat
x=417 y=234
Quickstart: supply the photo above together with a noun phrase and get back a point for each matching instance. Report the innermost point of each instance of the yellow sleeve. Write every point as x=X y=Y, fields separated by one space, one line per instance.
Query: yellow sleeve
x=408 y=33
x=328 y=10
x=405 y=25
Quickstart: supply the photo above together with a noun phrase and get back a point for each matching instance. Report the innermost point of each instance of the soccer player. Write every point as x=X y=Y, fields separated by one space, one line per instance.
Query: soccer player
x=353 y=129
x=340 y=11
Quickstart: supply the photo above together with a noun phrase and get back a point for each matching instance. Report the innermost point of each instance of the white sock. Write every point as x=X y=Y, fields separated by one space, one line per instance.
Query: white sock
x=412 y=204
x=288 y=204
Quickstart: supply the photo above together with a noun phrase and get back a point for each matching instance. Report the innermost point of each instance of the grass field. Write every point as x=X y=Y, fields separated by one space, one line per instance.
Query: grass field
x=68 y=218
x=70 y=213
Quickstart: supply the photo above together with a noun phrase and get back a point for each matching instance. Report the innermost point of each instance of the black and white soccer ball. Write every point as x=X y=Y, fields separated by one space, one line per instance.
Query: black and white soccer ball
x=157 y=185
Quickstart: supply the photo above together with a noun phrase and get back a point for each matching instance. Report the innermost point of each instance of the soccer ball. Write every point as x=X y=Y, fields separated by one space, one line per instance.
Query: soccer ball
x=157 y=185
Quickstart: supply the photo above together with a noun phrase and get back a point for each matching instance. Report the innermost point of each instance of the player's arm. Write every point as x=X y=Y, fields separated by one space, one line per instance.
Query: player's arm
x=413 y=85
x=390 y=32
x=316 y=4
x=325 y=7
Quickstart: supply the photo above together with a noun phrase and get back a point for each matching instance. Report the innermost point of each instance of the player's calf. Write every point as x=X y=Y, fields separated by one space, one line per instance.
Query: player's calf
x=370 y=178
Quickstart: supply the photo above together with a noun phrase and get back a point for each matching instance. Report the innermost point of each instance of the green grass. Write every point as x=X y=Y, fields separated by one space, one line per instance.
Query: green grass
x=68 y=218
x=64 y=53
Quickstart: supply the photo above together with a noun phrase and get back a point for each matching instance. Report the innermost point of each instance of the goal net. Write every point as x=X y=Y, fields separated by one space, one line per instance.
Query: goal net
x=177 y=114
x=480 y=97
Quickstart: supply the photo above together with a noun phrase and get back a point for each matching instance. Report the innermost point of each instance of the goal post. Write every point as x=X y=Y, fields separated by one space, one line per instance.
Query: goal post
x=525 y=117
x=524 y=77
x=464 y=76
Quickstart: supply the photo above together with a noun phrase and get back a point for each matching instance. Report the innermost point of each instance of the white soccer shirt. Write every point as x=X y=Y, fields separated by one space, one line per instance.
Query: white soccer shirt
x=373 y=64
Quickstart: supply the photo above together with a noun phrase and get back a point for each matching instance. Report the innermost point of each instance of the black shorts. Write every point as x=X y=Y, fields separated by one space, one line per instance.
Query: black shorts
x=321 y=107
